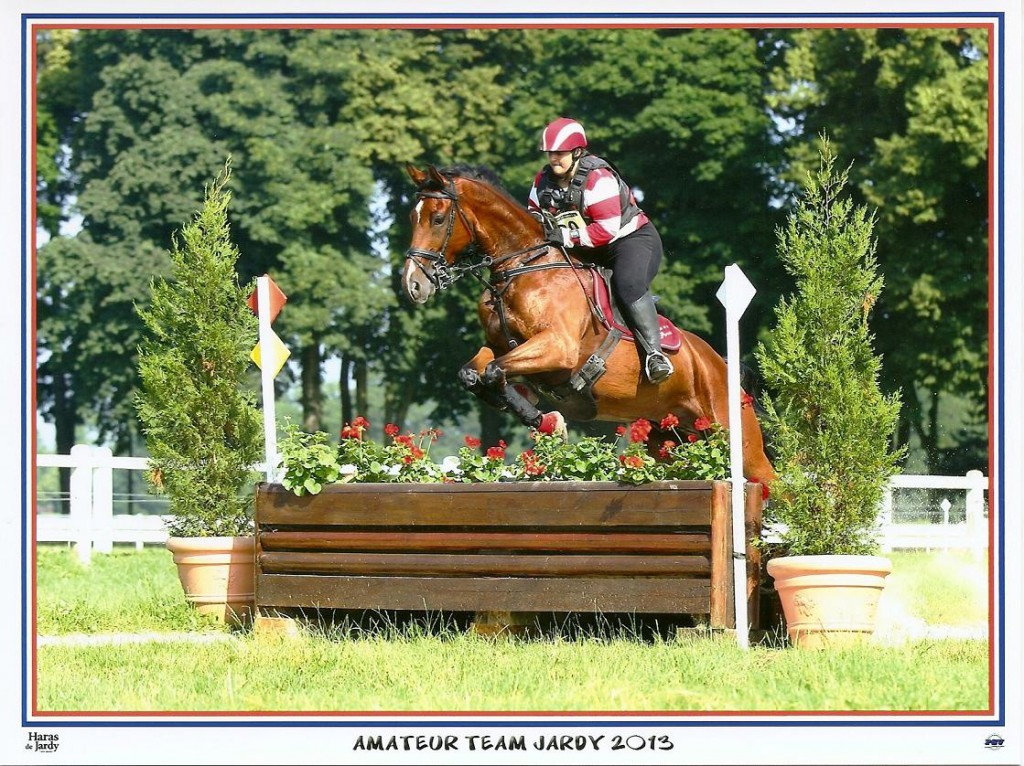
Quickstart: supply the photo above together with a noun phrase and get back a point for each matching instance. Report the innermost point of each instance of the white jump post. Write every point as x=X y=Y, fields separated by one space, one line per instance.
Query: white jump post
x=267 y=378
x=735 y=294
x=103 y=500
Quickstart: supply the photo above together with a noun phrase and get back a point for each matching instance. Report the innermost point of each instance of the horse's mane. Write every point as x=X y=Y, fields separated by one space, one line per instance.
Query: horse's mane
x=481 y=173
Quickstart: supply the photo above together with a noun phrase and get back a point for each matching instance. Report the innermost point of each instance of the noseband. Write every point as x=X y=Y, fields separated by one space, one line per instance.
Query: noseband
x=442 y=275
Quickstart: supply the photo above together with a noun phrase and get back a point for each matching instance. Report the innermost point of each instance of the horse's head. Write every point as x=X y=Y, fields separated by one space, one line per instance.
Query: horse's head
x=440 y=232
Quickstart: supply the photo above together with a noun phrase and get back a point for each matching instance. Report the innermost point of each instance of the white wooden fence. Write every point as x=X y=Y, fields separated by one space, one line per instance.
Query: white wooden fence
x=92 y=524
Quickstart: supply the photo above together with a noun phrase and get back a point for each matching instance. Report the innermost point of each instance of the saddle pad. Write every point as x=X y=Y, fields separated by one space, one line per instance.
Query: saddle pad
x=671 y=339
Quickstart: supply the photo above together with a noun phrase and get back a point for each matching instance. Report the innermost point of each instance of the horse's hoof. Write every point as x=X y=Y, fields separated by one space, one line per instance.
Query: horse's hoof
x=469 y=378
x=493 y=376
x=553 y=424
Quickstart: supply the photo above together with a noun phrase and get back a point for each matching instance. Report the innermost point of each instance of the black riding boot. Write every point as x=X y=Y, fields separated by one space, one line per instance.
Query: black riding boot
x=643 y=318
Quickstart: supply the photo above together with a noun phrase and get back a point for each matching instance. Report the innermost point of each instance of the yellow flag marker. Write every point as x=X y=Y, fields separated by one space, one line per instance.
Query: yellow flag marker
x=277 y=354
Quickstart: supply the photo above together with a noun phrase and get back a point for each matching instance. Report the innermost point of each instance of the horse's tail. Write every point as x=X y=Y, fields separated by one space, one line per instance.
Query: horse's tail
x=750 y=380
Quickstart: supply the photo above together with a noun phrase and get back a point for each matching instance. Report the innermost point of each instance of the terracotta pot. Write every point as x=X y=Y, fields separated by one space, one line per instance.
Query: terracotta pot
x=217 y=575
x=829 y=601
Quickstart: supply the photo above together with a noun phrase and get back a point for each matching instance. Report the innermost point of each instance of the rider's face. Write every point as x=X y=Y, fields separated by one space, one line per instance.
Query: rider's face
x=561 y=163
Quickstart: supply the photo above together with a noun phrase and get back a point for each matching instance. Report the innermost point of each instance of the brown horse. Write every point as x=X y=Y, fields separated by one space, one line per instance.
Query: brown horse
x=538 y=318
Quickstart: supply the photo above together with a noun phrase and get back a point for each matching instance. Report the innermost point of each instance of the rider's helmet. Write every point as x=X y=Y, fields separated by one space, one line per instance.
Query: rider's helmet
x=563 y=135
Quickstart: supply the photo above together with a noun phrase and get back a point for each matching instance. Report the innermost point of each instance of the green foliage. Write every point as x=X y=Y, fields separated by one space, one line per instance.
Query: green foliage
x=311 y=461
x=202 y=429
x=632 y=458
x=830 y=424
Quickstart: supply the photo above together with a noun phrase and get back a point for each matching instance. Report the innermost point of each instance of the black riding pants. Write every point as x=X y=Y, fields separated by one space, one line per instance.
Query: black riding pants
x=634 y=261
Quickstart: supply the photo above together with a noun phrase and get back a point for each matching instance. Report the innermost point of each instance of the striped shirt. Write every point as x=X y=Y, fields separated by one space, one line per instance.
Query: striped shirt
x=602 y=209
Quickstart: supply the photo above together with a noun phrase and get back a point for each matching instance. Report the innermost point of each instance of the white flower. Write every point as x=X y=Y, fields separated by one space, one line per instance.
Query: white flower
x=348 y=470
x=395 y=469
x=451 y=465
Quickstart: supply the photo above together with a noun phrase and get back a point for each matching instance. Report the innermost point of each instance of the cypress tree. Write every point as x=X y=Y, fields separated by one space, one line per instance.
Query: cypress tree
x=203 y=430
x=830 y=424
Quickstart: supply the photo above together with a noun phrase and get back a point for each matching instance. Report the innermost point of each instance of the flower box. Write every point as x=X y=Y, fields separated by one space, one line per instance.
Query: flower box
x=660 y=547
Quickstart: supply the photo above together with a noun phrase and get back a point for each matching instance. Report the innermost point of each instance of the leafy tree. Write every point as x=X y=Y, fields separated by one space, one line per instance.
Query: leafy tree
x=910 y=107
x=202 y=428
x=830 y=423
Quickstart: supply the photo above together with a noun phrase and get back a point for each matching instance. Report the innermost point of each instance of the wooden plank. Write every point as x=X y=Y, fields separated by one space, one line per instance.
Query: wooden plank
x=485 y=565
x=512 y=505
x=472 y=594
x=753 y=509
x=461 y=540
x=721 y=556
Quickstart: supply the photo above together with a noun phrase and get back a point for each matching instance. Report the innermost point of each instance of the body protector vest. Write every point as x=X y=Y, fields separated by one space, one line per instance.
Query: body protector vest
x=552 y=197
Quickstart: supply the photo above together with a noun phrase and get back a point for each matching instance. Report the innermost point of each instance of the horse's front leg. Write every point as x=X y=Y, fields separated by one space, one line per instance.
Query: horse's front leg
x=471 y=378
x=546 y=352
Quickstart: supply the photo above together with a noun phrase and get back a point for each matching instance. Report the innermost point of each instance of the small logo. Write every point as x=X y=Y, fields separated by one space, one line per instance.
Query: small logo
x=43 y=743
x=994 y=741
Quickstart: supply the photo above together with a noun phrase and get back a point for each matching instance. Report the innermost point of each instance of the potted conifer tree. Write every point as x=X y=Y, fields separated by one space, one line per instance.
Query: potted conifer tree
x=831 y=425
x=202 y=428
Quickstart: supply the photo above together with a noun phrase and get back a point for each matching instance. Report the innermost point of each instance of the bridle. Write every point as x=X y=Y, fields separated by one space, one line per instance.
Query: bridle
x=443 y=275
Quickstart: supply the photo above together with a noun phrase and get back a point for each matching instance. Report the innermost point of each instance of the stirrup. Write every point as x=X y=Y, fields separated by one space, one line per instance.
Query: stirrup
x=657 y=367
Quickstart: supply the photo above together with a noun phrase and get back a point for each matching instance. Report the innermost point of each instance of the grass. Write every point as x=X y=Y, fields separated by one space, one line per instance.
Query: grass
x=468 y=673
x=421 y=666
x=127 y=591
x=941 y=588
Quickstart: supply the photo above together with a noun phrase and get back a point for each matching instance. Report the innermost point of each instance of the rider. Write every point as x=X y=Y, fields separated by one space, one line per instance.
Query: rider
x=609 y=228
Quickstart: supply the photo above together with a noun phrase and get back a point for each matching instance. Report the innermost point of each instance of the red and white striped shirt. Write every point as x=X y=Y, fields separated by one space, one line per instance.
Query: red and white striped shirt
x=602 y=209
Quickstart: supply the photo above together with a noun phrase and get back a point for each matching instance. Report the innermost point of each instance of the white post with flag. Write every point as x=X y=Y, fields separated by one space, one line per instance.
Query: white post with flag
x=269 y=355
x=735 y=294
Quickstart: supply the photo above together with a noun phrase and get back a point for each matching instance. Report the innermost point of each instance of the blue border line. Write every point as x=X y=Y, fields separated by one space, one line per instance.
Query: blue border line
x=997 y=18
x=1001 y=359
x=25 y=267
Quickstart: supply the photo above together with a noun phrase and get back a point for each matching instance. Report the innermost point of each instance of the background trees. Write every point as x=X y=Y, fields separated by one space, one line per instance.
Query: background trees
x=710 y=125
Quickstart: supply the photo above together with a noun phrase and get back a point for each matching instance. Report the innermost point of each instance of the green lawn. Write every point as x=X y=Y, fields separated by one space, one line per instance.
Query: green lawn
x=417 y=666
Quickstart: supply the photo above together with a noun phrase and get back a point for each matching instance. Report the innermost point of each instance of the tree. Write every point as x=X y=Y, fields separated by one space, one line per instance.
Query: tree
x=202 y=428
x=909 y=107
x=830 y=424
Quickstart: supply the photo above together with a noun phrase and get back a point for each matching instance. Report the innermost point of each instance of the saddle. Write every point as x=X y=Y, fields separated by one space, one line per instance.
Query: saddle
x=610 y=315
x=575 y=397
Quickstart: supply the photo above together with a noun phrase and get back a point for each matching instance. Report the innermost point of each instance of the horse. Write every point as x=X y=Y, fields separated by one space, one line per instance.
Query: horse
x=539 y=320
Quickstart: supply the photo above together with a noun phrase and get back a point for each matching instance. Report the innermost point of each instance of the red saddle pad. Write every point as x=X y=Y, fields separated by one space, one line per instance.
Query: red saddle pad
x=671 y=338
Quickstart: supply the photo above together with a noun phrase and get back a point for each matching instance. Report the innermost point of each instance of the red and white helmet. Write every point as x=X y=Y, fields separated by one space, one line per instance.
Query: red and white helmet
x=563 y=135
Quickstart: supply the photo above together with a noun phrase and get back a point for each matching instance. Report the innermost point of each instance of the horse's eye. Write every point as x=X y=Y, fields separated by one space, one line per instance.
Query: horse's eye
x=437 y=219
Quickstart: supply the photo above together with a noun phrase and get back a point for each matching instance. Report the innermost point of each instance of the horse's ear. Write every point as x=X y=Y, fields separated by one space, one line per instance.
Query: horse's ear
x=436 y=177
x=415 y=174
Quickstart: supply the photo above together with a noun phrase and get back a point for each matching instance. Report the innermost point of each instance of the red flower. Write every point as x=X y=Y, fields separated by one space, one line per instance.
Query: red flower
x=669 y=421
x=472 y=442
x=417 y=453
x=361 y=422
x=530 y=464
x=621 y=430
x=746 y=399
x=496 y=453
x=702 y=424
x=633 y=461
x=405 y=440
x=391 y=429
x=691 y=438
x=666 y=446
x=351 y=432
x=640 y=430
